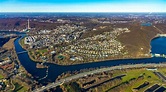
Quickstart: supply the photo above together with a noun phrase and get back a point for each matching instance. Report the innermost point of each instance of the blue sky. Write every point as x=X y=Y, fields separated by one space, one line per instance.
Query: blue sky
x=82 y=5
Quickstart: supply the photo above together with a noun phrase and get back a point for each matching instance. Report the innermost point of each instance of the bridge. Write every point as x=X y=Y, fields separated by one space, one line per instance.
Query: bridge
x=67 y=79
x=21 y=52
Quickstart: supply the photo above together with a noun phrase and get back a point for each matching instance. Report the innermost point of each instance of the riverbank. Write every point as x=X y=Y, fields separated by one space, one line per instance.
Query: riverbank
x=127 y=83
x=99 y=60
x=3 y=41
x=148 y=55
x=21 y=42
x=10 y=44
x=147 y=70
x=55 y=70
x=136 y=45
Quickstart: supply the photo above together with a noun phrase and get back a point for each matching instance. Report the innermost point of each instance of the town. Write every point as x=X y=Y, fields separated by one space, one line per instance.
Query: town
x=12 y=75
x=82 y=45
x=60 y=53
x=93 y=48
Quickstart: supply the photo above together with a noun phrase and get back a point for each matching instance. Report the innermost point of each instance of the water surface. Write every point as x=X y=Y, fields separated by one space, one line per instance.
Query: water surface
x=158 y=46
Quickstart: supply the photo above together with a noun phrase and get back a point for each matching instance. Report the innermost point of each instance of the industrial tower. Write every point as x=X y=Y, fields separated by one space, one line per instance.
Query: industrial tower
x=28 y=25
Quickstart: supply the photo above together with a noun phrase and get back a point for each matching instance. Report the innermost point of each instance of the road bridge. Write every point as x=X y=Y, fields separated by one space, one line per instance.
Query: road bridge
x=21 y=52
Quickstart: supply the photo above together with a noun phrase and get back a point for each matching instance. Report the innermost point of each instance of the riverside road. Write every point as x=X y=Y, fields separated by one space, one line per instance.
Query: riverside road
x=65 y=80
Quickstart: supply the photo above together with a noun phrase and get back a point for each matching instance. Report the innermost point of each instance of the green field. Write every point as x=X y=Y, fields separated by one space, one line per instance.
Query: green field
x=1 y=76
x=148 y=76
x=22 y=41
x=42 y=51
x=19 y=88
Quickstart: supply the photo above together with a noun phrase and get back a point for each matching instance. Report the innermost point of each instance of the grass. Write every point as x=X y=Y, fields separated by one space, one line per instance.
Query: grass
x=22 y=41
x=149 y=76
x=162 y=70
x=19 y=88
x=1 y=76
x=137 y=73
x=42 y=51
x=72 y=87
x=61 y=57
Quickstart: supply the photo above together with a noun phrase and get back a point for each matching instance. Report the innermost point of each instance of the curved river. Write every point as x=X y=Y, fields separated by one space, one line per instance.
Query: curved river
x=158 y=46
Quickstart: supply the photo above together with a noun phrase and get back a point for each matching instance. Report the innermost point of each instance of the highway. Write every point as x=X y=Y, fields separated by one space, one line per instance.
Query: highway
x=65 y=80
x=161 y=76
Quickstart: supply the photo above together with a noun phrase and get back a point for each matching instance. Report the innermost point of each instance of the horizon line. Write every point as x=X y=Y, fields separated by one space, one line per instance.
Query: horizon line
x=79 y=12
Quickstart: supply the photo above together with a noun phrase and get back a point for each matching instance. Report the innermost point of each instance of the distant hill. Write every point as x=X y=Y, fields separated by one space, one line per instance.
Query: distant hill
x=21 y=23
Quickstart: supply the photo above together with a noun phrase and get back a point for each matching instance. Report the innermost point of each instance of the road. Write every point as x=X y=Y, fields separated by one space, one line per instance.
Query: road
x=21 y=52
x=161 y=76
x=161 y=32
x=65 y=80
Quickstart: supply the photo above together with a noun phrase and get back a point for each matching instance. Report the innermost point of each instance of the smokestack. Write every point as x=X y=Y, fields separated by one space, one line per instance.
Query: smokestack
x=28 y=24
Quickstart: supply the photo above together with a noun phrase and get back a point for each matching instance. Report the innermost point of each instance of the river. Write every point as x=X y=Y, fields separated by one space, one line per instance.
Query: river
x=3 y=39
x=158 y=46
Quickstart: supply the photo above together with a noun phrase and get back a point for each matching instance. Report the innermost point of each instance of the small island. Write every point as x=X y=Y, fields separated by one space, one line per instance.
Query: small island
x=40 y=65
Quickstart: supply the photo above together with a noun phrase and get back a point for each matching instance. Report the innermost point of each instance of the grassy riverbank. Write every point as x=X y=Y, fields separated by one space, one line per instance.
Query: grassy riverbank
x=10 y=44
x=21 y=42
x=131 y=82
x=136 y=45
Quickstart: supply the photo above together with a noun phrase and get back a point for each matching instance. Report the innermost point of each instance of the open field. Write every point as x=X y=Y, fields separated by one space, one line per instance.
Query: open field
x=131 y=82
x=1 y=76
x=19 y=88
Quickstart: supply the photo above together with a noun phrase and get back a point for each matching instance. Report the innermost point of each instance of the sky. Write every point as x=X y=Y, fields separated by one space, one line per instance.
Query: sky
x=82 y=5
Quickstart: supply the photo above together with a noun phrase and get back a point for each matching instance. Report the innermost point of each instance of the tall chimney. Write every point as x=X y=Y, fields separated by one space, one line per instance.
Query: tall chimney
x=28 y=24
